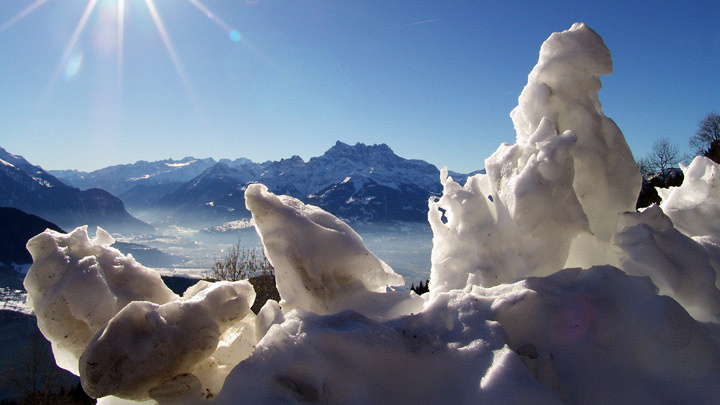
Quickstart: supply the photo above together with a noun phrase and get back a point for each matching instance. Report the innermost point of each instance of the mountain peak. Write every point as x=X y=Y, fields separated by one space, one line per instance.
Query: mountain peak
x=359 y=149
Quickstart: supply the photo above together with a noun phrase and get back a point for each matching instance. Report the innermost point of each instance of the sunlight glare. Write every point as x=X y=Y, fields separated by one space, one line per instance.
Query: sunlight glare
x=169 y=46
x=120 y=38
x=73 y=40
x=73 y=67
x=29 y=9
x=215 y=18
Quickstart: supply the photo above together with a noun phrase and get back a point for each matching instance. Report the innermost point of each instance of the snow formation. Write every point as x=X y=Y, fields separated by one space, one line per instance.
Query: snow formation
x=546 y=285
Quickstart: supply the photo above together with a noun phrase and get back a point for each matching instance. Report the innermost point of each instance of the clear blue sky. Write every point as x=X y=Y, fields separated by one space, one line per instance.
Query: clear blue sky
x=264 y=79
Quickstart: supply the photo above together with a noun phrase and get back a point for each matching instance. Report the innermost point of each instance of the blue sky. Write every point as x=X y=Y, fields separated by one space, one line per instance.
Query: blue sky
x=269 y=79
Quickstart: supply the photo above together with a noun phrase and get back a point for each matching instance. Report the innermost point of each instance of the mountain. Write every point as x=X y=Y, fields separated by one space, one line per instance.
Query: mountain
x=215 y=195
x=33 y=190
x=359 y=182
x=17 y=228
x=121 y=179
x=369 y=182
x=148 y=256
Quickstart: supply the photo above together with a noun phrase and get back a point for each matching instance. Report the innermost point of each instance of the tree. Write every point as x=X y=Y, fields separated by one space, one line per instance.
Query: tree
x=646 y=171
x=656 y=171
x=239 y=264
x=34 y=376
x=707 y=137
x=247 y=263
x=421 y=288
x=663 y=156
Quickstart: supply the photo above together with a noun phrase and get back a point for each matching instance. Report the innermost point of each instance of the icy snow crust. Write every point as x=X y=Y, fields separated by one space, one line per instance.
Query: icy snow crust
x=546 y=285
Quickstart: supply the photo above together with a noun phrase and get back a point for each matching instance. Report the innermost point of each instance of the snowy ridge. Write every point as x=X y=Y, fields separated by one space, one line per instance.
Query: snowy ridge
x=29 y=188
x=205 y=190
x=358 y=182
x=121 y=178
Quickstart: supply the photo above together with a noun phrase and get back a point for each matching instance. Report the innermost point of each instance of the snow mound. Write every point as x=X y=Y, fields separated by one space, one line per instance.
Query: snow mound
x=77 y=284
x=546 y=285
x=317 y=258
x=146 y=344
x=694 y=207
x=551 y=200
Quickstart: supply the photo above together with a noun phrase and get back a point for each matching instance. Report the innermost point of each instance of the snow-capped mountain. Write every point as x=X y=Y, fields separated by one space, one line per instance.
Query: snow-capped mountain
x=359 y=182
x=31 y=189
x=120 y=179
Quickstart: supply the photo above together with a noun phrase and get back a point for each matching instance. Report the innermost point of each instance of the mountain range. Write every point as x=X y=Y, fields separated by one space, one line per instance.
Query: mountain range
x=354 y=182
x=33 y=190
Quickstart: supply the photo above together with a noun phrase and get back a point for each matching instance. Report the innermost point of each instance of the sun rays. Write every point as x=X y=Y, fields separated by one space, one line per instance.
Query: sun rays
x=169 y=46
x=19 y=16
x=71 y=59
x=120 y=38
x=73 y=40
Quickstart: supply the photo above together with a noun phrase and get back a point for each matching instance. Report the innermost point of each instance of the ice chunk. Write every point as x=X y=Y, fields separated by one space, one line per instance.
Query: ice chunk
x=146 y=345
x=269 y=315
x=681 y=267
x=527 y=225
x=76 y=285
x=694 y=207
x=552 y=199
x=321 y=264
x=563 y=88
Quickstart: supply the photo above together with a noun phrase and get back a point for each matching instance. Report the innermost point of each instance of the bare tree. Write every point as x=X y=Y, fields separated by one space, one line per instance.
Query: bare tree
x=663 y=156
x=646 y=171
x=239 y=264
x=33 y=373
x=707 y=136
x=247 y=264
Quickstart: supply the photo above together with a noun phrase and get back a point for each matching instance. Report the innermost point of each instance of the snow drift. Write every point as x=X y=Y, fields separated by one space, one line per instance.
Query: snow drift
x=546 y=285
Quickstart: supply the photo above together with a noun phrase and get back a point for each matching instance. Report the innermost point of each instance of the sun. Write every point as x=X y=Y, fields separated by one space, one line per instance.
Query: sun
x=69 y=62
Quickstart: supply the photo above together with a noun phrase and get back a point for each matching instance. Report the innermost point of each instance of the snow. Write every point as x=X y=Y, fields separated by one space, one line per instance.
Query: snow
x=231 y=226
x=694 y=207
x=76 y=285
x=6 y=163
x=180 y=164
x=316 y=257
x=546 y=285
x=146 y=344
x=14 y=300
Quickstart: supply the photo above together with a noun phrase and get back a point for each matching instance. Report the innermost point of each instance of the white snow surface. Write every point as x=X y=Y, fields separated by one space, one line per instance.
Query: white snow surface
x=694 y=207
x=546 y=286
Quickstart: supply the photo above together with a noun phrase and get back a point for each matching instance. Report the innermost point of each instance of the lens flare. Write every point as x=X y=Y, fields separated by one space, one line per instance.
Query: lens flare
x=73 y=40
x=235 y=36
x=72 y=67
